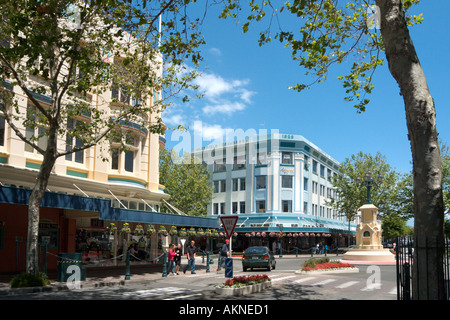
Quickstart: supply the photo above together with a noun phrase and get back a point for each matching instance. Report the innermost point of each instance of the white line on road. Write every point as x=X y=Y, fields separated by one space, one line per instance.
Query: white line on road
x=347 y=284
x=321 y=283
x=304 y=279
x=183 y=297
x=282 y=278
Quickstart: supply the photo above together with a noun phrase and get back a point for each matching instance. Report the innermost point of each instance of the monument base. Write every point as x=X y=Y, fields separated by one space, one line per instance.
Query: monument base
x=382 y=255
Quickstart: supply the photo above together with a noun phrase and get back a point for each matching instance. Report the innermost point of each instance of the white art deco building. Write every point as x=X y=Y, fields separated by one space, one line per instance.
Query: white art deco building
x=278 y=185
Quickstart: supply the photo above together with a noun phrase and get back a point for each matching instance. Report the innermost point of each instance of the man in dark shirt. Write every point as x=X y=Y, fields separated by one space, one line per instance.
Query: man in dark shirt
x=191 y=250
x=178 y=255
x=224 y=253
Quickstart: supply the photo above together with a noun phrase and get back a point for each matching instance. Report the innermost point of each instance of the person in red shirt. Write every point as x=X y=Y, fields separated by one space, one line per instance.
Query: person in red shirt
x=171 y=257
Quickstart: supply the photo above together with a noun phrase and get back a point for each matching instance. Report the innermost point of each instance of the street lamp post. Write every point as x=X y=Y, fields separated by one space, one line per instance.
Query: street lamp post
x=369 y=183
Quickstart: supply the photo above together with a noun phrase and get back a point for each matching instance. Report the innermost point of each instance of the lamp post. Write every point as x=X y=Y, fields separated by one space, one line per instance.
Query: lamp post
x=369 y=183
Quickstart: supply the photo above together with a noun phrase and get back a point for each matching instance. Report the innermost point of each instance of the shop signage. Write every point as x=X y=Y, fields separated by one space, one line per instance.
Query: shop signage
x=286 y=171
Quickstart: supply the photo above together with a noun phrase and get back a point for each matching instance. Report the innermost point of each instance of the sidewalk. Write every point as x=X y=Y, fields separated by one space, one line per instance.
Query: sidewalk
x=104 y=276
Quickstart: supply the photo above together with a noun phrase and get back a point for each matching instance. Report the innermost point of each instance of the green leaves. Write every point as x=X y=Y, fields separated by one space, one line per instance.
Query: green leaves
x=186 y=181
x=352 y=194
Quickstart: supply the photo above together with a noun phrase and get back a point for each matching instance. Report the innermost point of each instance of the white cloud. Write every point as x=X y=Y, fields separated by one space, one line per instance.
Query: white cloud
x=224 y=96
x=225 y=108
x=215 y=52
x=209 y=132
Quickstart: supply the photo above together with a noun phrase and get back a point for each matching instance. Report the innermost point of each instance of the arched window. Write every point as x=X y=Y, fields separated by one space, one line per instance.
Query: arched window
x=366 y=234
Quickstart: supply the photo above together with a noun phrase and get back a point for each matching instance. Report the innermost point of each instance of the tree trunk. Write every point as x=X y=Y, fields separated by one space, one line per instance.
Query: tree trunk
x=34 y=202
x=404 y=65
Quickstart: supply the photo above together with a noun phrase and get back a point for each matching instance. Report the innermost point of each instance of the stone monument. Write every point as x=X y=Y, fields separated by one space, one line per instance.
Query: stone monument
x=368 y=239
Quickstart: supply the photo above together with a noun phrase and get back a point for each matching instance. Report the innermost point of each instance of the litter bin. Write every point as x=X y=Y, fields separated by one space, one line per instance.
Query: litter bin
x=64 y=261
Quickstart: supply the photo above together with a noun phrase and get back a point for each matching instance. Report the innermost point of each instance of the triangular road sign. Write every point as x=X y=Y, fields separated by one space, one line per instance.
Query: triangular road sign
x=228 y=223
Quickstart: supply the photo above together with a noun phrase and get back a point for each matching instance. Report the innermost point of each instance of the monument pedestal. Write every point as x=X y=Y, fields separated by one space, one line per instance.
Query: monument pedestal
x=381 y=255
x=368 y=239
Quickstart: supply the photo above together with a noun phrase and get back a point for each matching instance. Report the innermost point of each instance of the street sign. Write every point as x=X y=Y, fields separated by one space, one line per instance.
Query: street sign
x=229 y=268
x=228 y=273
x=228 y=263
x=228 y=224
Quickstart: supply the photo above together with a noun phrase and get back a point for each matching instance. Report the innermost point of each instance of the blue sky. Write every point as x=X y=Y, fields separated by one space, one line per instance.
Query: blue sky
x=246 y=87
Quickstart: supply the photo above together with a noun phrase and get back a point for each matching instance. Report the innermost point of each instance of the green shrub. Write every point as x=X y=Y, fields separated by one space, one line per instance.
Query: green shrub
x=315 y=261
x=25 y=280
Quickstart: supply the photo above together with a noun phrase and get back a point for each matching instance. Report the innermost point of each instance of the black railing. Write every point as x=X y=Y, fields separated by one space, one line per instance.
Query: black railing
x=405 y=256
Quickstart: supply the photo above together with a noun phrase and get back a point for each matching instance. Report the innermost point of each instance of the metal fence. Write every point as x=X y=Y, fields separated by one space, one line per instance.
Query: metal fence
x=404 y=267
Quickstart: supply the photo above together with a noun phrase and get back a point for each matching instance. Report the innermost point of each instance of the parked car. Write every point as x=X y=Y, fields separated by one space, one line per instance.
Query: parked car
x=258 y=257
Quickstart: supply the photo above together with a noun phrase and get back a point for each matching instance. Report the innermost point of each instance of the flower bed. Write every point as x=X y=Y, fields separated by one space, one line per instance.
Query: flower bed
x=242 y=285
x=329 y=265
x=325 y=265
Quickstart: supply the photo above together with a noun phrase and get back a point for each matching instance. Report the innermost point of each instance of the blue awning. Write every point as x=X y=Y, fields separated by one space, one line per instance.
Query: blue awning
x=20 y=196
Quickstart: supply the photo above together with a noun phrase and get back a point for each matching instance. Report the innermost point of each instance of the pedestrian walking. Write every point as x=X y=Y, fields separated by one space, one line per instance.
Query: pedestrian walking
x=191 y=253
x=178 y=255
x=171 y=257
x=224 y=253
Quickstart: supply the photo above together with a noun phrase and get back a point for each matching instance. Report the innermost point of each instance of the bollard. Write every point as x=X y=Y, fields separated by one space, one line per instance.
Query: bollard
x=296 y=252
x=337 y=251
x=127 y=269
x=312 y=252
x=164 y=272
x=207 y=261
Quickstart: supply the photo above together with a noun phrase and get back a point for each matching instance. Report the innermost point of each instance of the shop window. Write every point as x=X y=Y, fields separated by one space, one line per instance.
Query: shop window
x=48 y=233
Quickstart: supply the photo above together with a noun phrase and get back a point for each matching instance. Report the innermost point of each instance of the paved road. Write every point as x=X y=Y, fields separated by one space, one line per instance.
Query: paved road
x=370 y=283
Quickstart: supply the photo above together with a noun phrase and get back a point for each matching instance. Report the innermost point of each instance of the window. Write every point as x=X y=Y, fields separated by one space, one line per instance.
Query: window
x=239 y=162
x=261 y=159
x=286 y=181
x=261 y=206
x=219 y=165
x=129 y=159
x=115 y=158
x=260 y=182
x=314 y=166
x=242 y=187
x=234 y=206
x=322 y=171
x=235 y=184
x=242 y=207
x=314 y=187
x=286 y=205
x=30 y=132
x=223 y=186
x=305 y=184
x=222 y=208
x=72 y=142
x=2 y=131
x=322 y=190
x=216 y=186
x=216 y=208
x=286 y=158
x=305 y=207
